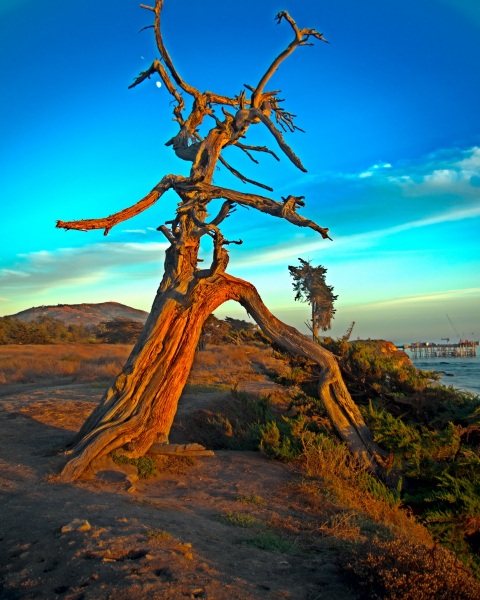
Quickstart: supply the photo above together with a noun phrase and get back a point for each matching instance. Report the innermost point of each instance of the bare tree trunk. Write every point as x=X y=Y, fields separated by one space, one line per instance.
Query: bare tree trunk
x=140 y=406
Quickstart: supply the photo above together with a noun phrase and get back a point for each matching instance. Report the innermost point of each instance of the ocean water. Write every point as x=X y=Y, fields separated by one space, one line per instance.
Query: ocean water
x=462 y=373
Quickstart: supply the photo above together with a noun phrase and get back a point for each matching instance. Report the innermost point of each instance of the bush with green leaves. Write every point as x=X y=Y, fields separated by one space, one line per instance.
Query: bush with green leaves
x=432 y=433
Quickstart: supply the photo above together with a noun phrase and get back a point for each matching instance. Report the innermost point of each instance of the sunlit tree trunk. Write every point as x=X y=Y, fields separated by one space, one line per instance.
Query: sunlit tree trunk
x=140 y=406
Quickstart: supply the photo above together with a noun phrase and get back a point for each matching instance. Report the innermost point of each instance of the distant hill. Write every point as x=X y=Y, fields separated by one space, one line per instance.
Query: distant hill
x=83 y=314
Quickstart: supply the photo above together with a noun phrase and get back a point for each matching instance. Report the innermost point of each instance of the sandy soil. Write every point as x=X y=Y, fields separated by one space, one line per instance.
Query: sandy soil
x=95 y=539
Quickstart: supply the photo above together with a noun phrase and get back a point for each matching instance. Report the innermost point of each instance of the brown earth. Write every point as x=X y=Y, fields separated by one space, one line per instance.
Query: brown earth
x=169 y=537
x=83 y=314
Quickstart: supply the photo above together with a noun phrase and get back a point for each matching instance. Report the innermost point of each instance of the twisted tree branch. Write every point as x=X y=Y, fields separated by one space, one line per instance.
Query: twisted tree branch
x=301 y=37
x=246 y=148
x=285 y=210
x=279 y=137
x=107 y=223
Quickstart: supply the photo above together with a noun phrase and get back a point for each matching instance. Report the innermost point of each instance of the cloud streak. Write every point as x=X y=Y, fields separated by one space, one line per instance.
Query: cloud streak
x=98 y=263
x=430 y=297
x=354 y=242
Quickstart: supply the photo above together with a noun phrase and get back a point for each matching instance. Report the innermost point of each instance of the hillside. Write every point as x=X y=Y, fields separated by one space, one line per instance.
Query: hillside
x=83 y=314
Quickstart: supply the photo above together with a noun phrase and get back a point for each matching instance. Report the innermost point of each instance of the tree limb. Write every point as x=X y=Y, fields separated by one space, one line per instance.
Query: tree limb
x=301 y=38
x=107 y=223
x=157 y=67
x=227 y=208
x=246 y=148
x=279 y=137
x=167 y=233
x=285 y=210
x=166 y=56
x=242 y=177
x=189 y=89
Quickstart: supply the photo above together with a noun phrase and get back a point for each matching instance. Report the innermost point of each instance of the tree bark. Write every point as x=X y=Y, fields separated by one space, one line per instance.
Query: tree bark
x=139 y=408
x=141 y=404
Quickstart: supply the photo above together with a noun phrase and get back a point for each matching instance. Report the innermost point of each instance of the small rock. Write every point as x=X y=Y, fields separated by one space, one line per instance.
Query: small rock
x=77 y=525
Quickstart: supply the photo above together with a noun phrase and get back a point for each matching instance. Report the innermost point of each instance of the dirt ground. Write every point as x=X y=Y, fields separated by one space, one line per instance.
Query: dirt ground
x=166 y=537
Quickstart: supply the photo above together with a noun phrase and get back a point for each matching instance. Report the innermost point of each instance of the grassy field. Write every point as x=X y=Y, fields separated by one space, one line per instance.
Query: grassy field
x=78 y=362
x=217 y=366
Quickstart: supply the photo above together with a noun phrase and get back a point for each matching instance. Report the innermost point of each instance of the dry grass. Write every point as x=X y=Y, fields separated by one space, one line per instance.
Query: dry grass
x=402 y=570
x=221 y=367
x=226 y=366
x=336 y=479
x=78 y=362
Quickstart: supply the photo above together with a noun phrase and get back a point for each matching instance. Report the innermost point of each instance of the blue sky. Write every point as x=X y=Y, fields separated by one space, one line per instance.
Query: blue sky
x=392 y=147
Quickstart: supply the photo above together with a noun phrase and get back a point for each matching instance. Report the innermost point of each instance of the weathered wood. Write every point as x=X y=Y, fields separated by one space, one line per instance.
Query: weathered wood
x=138 y=409
x=180 y=450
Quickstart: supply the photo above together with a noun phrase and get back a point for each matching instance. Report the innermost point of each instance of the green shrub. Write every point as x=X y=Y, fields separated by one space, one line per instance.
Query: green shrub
x=239 y=519
x=145 y=464
x=266 y=540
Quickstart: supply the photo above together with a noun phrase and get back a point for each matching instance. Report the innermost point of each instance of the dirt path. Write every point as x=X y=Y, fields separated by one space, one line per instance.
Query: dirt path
x=171 y=538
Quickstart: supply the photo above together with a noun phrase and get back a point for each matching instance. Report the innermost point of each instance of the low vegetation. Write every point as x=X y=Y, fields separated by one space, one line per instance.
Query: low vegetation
x=417 y=537
x=47 y=330
x=430 y=509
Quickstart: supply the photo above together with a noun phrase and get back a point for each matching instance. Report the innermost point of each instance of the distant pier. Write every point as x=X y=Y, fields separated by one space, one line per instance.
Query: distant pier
x=464 y=348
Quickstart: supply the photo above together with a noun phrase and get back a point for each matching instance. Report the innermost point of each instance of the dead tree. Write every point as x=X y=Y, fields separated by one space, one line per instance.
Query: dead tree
x=139 y=408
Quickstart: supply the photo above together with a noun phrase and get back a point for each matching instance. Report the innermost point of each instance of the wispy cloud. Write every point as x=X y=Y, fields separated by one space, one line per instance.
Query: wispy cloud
x=11 y=273
x=88 y=264
x=360 y=241
x=374 y=169
x=440 y=296
x=453 y=170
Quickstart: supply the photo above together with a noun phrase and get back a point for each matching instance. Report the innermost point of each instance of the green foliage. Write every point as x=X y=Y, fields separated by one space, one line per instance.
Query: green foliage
x=145 y=464
x=415 y=448
x=377 y=489
x=442 y=471
x=249 y=499
x=431 y=432
x=119 y=331
x=228 y=331
x=47 y=330
x=267 y=540
x=239 y=519
x=373 y=368
x=310 y=286
x=283 y=438
x=44 y=330
x=455 y=515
